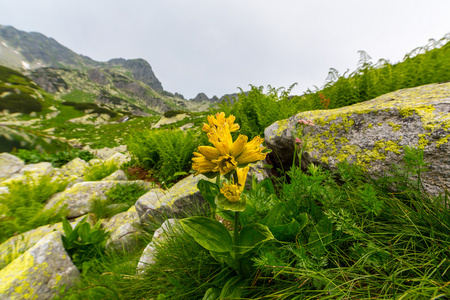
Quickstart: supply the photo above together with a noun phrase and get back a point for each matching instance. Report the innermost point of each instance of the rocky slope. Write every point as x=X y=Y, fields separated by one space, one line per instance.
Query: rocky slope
x=129 y=85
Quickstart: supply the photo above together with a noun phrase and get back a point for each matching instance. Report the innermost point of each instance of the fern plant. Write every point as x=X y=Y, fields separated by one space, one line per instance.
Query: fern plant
x=167 y=153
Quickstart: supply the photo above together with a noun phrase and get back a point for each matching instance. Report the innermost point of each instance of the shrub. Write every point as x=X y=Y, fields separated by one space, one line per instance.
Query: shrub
x=25 y=202
x=21 y=103
x=173 y=113
x=118 y=199
x=255 y=110
x=167 y=153
x=57 y=159
x=84 y=243
x=90 y=106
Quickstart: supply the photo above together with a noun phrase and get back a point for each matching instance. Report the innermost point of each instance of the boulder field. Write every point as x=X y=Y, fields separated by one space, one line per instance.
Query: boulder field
x=372 y=134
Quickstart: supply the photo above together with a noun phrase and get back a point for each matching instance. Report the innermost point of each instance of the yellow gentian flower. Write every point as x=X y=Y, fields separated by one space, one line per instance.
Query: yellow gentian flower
x=219 y=121
x=233 y=191
x=226 y=155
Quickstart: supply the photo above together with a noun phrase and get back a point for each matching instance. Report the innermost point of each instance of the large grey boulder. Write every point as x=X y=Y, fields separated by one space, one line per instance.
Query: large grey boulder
x=77 y=199
x=9 y=165
x=175 y=202
x=116 y=176
x=29 y=172
x=124 y=231
x=372 y=133
x=149 y=200
x=159 y=237
x=72 y=170
x=39 y=272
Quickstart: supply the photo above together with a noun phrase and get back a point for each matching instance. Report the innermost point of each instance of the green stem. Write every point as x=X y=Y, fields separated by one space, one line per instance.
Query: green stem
x=236 y=239
x=295 y=154
x=213 y=207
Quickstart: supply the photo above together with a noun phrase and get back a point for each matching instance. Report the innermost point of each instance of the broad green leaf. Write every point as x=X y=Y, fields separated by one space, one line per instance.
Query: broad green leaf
x=209 y=233
x=83 y=231
x=226 y=214
x=286 y=232
x=209 y=191
x=252 y=235
x=212 y=294
x=67 y=228
x=224 y=203
x=275 y=216
x=232 y=288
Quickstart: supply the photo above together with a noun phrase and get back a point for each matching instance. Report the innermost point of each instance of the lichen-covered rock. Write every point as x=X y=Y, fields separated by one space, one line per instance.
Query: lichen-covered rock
x=171 y=120
x=124 y=231
x=74 y=168
x=184 y=196
x=39 y=272
x=33 y=171
x=160 y=235
x=106 y=152
x=77 y=199
x=119 y=158
x=18 y=244
x=9 y=165
x=149 y=200
x=257 y=170
x=372 y=133
x=92 y=119
x=116 y=176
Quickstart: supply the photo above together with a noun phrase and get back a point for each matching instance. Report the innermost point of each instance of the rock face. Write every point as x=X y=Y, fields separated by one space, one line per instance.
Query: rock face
x=141 y=71
x=39 y=272
x=175 y=202
x=372 y=134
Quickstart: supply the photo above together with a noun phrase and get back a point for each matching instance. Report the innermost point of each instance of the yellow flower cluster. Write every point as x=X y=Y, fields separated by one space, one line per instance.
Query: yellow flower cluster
x=233 y=191
x=226 y=155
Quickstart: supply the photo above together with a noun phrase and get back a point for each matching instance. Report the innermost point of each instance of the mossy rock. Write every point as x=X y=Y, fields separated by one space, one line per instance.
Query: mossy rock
x=372 y=134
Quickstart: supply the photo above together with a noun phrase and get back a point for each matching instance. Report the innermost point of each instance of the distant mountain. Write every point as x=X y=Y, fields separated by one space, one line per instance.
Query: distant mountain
x=129 y=85
x=30 y=50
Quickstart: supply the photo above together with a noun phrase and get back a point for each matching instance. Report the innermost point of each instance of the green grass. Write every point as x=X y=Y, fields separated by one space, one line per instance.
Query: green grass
x=25 y=202
x=79 y=96
x=100 y=170
x=364 y=239
x=57 y=159
x=118 y=199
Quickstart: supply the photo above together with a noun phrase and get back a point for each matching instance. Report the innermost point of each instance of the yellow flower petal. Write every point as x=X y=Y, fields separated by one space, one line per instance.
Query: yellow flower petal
x=206 y=128
x=252 y=151
x=242 y=177
x=221 y=138
x=238 y=145
x=202 y=165
x=209 y=152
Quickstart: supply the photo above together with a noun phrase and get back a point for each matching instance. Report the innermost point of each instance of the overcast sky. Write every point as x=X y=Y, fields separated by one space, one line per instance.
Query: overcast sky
x=216 y=46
